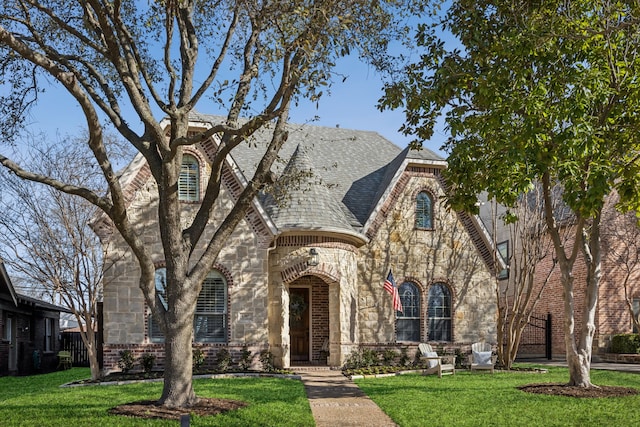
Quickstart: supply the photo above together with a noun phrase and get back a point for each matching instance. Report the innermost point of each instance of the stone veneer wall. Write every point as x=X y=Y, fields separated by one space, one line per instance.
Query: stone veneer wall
x=337 y=268
x=243 y=259
x=443 y=254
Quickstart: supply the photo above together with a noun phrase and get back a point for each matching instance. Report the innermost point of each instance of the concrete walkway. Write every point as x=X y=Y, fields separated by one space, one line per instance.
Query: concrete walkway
x=336 y=401
x=609 y=366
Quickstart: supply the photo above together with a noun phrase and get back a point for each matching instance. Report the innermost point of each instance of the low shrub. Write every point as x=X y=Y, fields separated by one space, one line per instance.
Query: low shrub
x=198 y=358
x=266 y=358
x=246 y=359
x=223 y=360
x=148 y=360
x=405 y=360
x=625 y=344
x=389 y=357
x=126 y=361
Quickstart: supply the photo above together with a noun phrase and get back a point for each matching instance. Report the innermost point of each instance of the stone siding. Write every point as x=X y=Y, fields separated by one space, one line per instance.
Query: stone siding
x=243 y=260
x=443 y=254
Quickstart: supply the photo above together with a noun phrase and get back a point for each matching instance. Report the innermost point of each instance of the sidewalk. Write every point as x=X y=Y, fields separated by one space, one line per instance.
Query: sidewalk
x=336 y=401
x=622 y=367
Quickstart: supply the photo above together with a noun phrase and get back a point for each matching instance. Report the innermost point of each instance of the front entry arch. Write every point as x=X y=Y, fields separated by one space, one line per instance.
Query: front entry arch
x=309 y=320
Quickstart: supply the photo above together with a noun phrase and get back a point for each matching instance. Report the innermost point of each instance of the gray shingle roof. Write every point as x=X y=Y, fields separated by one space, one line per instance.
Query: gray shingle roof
x=305 y=202
x=353 y=166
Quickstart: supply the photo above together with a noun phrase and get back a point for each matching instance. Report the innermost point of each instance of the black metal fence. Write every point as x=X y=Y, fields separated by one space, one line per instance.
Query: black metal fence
x=537 y=336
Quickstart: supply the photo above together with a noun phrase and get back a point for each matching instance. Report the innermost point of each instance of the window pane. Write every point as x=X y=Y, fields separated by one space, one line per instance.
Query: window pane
x=210 y=328
x=408 y=321
x=439 y=329
x=439 y=312
x=211 y=310
x=503 y=250
x=161 y=285
x=410 y=298
x=189 y=179
x=155 y=333
x=424 y=211
x=48 y=339
x=209 y=322
x=408 y=329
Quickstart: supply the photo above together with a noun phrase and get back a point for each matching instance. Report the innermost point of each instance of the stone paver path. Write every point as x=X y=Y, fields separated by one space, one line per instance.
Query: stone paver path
x=336 y=401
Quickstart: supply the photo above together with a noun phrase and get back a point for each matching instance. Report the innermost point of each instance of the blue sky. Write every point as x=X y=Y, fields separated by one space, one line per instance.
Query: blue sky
x=351 y=105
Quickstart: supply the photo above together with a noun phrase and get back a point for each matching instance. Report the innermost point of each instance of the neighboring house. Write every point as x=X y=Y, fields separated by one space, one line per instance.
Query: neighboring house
x=305 y=278
x=620 y=281
x=29 y=331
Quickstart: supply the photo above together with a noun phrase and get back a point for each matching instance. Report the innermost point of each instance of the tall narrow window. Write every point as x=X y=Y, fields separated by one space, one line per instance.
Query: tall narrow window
x=408 y=321
x=424 y=210
x=636 y=313
x=155 y=332
x=48 y=334
x=8 y=329
x=439 y=312
x=503 y=250
x=210 y=323
x=189 y=180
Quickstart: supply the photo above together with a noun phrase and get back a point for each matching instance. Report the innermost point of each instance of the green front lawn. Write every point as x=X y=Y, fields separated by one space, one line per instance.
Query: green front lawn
x=478 y=399
x=39 y=401
x=482 y=399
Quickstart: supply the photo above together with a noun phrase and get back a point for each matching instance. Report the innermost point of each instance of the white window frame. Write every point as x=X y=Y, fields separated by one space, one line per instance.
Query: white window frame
x=434 y=333
x=189 y=180
x=207 y=312
x=210 y=320
x=410 y=298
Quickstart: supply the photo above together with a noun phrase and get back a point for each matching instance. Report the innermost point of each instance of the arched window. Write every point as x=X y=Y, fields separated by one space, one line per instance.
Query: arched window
x=439 y=312
x=210 y=320
x=408 y=321
x=424 y=210
x=189 y=180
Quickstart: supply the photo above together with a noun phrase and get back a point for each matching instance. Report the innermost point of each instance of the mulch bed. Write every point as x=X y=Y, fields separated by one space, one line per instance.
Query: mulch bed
x=152 y=410
x=556 y=389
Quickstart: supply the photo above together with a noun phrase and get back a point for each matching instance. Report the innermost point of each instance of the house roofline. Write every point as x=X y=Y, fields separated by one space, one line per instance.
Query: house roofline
x=7 y=281
x=439 y=164
x=356 y=238
x=235 y=169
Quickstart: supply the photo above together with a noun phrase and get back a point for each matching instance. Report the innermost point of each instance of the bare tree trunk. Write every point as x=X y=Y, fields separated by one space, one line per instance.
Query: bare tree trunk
x=178 y=389
x=578 y=362
x=90 y=343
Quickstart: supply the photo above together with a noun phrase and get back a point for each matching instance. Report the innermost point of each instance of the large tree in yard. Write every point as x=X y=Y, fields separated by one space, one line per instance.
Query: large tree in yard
x=537 y=92
x=128 y=64
x=519 y=292
x=48 y=242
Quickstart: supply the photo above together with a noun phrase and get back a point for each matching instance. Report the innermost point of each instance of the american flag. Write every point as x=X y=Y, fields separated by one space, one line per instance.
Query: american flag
x=390 y=286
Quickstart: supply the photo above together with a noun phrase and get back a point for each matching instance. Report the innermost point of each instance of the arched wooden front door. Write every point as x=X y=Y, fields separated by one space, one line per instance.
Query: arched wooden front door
x=308 y=319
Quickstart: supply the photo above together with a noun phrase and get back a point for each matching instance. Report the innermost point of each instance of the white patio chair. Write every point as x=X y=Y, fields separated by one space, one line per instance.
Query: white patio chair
x=481 y=357
x=441 y=365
